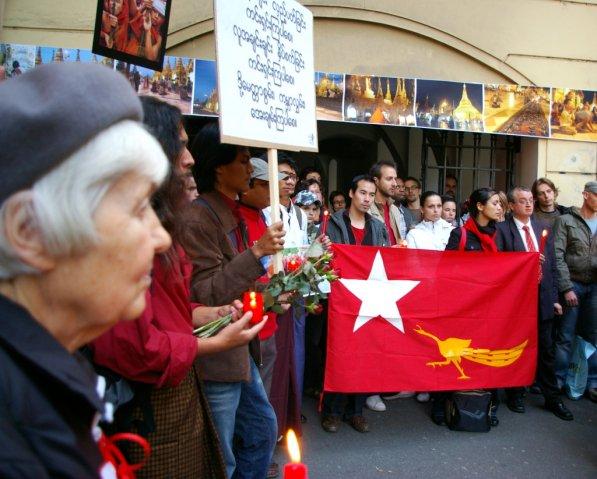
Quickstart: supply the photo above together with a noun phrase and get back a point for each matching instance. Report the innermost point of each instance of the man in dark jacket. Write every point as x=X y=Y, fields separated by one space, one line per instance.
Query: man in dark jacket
x=225 y=266
x=521 y=232
x=357 y=227
x=576 y=258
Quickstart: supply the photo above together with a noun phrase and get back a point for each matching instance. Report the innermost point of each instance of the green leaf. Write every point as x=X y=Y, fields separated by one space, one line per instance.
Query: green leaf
x=277 y=308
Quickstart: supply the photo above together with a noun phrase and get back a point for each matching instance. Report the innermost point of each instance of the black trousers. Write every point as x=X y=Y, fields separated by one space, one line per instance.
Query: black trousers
x=546 y=373
x=344 y=405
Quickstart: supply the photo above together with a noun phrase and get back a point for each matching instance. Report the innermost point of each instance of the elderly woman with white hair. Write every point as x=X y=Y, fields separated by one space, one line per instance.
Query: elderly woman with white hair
x=77 y=240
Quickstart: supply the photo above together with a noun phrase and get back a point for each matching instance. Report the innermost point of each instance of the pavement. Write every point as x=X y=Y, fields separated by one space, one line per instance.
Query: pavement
x=404 y=443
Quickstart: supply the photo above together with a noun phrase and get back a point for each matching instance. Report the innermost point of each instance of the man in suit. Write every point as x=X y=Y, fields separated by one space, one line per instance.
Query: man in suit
x=520 y=232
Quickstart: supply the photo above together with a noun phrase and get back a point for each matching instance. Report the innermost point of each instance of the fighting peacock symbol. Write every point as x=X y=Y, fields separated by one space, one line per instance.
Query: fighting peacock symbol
x=454 y=349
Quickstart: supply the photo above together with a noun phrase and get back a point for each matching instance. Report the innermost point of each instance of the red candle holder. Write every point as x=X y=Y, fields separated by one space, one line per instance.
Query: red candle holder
x=544 y=235
x=294 y=469
x=253 y=301
x=324 y=223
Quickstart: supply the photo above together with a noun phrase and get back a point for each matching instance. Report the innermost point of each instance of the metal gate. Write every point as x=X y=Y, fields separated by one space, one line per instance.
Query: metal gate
x=474 y=159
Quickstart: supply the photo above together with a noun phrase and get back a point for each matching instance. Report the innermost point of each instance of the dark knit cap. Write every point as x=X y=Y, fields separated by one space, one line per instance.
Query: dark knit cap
x=51 y=111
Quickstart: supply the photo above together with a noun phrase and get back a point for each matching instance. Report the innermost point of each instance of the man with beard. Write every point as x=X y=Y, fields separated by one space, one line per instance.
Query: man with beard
x=412 y=188
x=546 y=207
x=383 y=208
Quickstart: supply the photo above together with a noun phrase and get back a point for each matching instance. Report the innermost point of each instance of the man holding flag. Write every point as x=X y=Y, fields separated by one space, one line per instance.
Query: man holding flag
x=521 y=232
x=354 y=226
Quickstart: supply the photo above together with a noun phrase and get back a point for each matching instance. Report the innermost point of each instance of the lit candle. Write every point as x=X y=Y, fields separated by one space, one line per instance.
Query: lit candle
x=324 y=223
x=543 y=241
x=253 y=301
x=294 y=469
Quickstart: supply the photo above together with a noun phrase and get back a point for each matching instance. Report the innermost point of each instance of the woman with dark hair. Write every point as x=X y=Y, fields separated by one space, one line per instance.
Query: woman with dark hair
x=432 y=232
x=313 y=186
x=159 y=349
x=337 y=201
x=308 y=173
x=477 y=234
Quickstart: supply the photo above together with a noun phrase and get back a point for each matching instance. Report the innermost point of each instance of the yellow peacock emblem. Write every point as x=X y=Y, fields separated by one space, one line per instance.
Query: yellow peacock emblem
x=455 y=349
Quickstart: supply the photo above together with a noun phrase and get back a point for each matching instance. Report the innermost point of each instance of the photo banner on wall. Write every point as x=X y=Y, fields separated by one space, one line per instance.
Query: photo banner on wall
x=131 y=31
x=504 y=109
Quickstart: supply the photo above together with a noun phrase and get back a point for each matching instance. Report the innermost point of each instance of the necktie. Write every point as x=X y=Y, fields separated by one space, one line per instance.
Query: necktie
x=530 y=245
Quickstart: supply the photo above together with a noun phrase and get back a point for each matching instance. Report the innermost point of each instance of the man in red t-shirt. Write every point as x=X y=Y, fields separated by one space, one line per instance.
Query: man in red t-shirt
x=353 y=226
x=251 y=203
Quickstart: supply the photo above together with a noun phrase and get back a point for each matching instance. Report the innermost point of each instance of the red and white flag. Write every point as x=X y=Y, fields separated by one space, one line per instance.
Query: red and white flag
x=418 y=320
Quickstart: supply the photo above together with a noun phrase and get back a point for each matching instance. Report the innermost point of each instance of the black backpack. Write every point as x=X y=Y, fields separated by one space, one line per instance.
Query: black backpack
x=469 y=411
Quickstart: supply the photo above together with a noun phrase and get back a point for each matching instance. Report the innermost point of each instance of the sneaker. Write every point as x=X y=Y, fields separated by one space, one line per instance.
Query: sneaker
x=423 y=397
x=400 y=395
x=375 y=403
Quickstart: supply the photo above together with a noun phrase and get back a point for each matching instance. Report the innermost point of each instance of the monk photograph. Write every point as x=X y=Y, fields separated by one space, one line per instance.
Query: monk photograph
x=134 y=31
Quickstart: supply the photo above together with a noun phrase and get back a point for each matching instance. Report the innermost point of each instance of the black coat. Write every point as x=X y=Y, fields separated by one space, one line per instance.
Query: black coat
x=508 y=239
x=472 y=241
x=47 y=403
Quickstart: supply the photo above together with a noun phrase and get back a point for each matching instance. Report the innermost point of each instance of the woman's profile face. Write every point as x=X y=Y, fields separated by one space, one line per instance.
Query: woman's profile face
x=432 y=208
x=492 y=209
x=107 y=283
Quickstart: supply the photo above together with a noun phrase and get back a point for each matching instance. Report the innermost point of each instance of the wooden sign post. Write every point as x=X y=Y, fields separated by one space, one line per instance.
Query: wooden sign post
x=266 y=91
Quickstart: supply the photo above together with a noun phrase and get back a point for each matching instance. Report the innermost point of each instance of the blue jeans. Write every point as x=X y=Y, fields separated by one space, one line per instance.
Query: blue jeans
x=246 y=425
x=566 y=331
x=300 y=316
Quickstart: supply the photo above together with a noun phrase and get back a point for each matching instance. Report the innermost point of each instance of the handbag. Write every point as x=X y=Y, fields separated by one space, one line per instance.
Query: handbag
x=469 y=411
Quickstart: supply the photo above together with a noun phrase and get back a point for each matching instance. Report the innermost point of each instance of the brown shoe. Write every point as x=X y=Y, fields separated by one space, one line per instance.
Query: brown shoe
x=330 y=423
x=359 y=423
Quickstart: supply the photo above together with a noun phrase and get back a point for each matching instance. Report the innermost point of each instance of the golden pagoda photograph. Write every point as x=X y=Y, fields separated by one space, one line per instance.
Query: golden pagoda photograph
x=174 y=84
x=380 y=100
x=329 y=93
x=17 y=59
x=45 y=55
x=517 y=110
x=573 y=114
x=205 y=98
x=449 y=105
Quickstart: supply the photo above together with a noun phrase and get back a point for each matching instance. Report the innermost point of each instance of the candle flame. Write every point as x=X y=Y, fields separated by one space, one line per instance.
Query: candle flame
x=544 y=233
x=252 y=295
x=293 y=446
x=326 y=212
x=252 y=303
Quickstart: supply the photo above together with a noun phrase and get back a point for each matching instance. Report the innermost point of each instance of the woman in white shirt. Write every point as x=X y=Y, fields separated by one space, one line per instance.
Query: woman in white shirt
x=432 y=232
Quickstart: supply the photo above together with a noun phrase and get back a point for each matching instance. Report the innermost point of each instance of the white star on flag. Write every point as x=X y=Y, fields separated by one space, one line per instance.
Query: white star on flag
x=379 y=295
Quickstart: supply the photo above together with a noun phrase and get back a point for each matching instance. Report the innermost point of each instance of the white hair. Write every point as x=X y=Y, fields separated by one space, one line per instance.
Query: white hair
x=62 y=203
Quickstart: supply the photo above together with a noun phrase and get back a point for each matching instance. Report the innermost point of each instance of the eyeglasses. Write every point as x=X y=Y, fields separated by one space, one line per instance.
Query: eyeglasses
x=411 y=188
x=525 y=202
x=289 y=176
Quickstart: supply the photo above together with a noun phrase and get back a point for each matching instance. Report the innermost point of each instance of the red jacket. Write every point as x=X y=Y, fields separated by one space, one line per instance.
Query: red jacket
x=256 y=227
x=159 y=347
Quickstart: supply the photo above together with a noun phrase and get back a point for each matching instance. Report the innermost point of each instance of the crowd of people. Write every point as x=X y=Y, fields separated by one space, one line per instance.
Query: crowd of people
x=119 y=236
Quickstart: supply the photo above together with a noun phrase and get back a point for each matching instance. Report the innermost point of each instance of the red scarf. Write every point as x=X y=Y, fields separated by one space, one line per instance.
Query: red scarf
x=487 y=241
